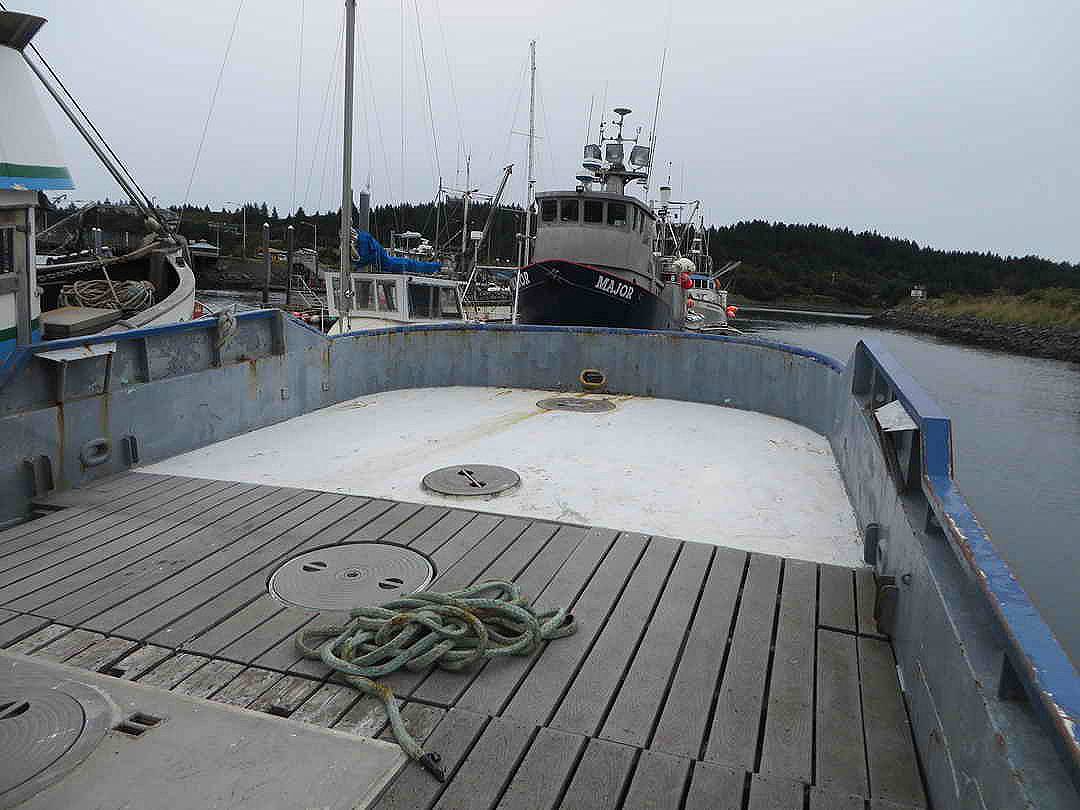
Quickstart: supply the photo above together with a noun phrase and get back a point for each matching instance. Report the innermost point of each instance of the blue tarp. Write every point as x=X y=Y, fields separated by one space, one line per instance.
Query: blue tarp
x=372 y=254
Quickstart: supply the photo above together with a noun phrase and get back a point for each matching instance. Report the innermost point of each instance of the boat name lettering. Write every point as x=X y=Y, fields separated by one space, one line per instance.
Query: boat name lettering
x=617 y=288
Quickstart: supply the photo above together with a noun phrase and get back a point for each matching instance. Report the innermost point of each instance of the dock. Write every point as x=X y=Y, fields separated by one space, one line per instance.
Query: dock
x=701 y=676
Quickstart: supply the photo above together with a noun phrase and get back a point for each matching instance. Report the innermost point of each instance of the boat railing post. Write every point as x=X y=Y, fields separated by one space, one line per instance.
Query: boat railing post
x=266 y=263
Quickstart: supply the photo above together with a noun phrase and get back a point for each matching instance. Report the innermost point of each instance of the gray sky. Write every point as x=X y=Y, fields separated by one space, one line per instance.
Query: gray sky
x=952 y=123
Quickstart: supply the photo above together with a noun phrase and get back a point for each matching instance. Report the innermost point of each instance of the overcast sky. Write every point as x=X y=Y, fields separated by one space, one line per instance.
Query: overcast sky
x=953 y=123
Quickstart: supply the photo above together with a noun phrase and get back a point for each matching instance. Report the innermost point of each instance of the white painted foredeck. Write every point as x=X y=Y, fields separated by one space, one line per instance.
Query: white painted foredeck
x=678 y=469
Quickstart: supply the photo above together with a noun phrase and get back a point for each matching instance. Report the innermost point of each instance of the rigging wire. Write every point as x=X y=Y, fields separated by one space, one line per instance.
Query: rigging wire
x=404 y=82
x=450 y=77
x=299 y=86
x=213 y=102
x=375 y=111
x=333 y=132
x=659 y=91
x=330 y=83
x=60 y=83
x=427 y=86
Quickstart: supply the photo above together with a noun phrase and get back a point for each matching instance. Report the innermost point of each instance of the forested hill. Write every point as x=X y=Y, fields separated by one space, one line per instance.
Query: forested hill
x=807 y=262
x=780 y=262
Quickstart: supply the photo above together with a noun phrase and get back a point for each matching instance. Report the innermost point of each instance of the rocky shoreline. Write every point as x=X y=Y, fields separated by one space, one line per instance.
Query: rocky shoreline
x=1035 y=341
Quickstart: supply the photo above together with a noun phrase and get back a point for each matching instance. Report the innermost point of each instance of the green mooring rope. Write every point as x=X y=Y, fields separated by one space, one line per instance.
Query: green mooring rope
x=452 y=630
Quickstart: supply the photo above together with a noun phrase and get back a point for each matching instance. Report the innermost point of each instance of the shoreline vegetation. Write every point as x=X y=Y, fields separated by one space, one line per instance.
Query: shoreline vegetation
x=1039 y=323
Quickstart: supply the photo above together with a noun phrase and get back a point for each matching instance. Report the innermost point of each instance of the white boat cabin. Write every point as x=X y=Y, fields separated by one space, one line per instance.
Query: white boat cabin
x=391 y=299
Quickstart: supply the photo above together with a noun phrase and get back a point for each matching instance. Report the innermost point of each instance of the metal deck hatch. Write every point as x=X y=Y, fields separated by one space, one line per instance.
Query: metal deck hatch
x=471 y=479
x=350 y=575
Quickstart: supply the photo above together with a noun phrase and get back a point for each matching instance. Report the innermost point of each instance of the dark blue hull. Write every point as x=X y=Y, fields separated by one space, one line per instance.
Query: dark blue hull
x=561 y=293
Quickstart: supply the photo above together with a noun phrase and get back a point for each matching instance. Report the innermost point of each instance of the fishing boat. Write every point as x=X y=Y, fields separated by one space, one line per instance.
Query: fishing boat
x=805 y=612
x=79 y=287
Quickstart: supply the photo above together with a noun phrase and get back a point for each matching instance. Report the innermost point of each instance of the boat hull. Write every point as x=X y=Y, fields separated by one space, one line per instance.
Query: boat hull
x=562 y=293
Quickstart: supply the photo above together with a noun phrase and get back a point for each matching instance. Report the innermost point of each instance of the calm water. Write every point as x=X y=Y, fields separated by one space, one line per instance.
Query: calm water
x=1016 y=428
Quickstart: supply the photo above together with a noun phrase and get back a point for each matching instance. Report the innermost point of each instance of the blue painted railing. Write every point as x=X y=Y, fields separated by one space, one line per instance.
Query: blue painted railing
x=1035 y=658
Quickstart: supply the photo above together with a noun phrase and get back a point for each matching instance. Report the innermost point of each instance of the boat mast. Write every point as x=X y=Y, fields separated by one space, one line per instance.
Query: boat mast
x=345 y=306
x=526 y=252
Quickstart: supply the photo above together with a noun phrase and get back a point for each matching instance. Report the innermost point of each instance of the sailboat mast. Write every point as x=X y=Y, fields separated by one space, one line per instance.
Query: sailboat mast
x=345 y=304
x=526 y=250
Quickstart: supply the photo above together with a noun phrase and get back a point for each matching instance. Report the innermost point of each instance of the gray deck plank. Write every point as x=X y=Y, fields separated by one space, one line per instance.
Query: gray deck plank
x=73 y=575
x=658 y=782
x=45 y=524
x=600 y=778
x=641 y=695
x=452 y=523
x=254 y=645
x=774 y=793
x=452 y=739
x=419 y=720
x=539 y=781
x=538 y=694
x=247 y=686
x=392 y=518
x=327 y=705
x=787 y=747
x=582 y=708
x=101 y=654
x=219 y=636
x=736 y=719
x=865 y=597
x=68 y=645
x=837 y=595
x=19 y=627
x=840 y=751
x=39 y=638
x=821 y=799
x=80 y=541
x=285 y=696
x=519 y=555
x=208 y=679
x=890 y=751
x=715 y=787
x=94 y=494
x=488 y=768
x=147 y=586
x=137 y=662
x=685 y=716
x=464 y=541
x=171 y=671
x=364 y=718
x=445 y=687
x=493 y=685
x=420 y=522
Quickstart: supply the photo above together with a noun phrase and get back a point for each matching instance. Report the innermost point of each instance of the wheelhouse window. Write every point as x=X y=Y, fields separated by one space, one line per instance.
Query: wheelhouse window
x=449 y=303
x=634 y=226
x=616 y=214
x=387 y=292
x=568 y=211
x=421 y=300
x=364 y=297
x=594 y=211
x=548 y=209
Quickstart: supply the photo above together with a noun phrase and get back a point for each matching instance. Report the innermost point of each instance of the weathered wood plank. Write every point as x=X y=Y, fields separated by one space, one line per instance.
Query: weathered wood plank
x=774 y=793
x=327 y=705
x=136 y=663
x=442 y=532
x=890 y=751
x=539 y=692
x=285 y=696
x=46 y=524
x=171 y=671
x=736 y=720
x=519 y=554
x=365 y=718
x=600 y=778
x=134 y=606
x=419 y=720
x=658 y=781
x=105 y=492
x=841 y=754
x=642 y=693
x=454 y=549
x=19 y=627
x=39 y=638
x=247 y=686
x=101 y=654
x=208 y=679
x=715 y=787
x=837 y=593
x=416 y=525
x=488 y=768
x=225 y=632
x=821 y=799
x=865 y=597
x=414 y=789
x=496 y=682
x=789 y=714
x=683 y=721
x=395 y=516
x=276 y=639
x=73 y=575
x=547 y=766
x=68 y=645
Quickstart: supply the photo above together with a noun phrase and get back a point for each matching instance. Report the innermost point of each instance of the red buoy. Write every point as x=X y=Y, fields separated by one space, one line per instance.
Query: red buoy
x=685 y=281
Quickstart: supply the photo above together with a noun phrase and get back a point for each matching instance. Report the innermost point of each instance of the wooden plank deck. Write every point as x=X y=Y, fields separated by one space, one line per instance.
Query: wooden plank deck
x=701 y=676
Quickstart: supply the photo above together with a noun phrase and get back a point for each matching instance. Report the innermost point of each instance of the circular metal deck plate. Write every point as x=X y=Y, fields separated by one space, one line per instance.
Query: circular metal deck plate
x=471 y=479
x=350 y=575
x=37 y=728
x=576 y=404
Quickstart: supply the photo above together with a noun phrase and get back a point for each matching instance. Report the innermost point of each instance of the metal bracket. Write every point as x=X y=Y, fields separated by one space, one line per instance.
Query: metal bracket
x=1009 y=685
x=885 y=604
x=41 y=477
x=871 y=538
x=131 y=449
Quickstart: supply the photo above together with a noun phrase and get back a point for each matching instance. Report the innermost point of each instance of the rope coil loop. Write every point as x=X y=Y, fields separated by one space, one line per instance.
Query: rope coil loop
x=451 y=630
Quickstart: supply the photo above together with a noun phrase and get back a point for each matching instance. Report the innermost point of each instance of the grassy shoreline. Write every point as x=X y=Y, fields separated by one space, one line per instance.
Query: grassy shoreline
x=1053 y=306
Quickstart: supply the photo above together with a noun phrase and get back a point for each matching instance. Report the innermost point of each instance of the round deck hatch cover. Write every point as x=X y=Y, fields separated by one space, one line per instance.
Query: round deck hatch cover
x=576 y=404
x=471 y=479
x=350 y=575
x=43 y=734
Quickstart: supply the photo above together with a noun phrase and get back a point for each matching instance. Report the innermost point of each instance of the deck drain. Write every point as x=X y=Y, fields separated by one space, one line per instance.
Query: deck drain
x=350 y=575
x=471 y=479
x=576 y=404
x=44 y=733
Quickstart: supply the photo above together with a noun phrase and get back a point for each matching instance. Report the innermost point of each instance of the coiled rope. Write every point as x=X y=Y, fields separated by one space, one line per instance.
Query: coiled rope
x=451 y=630
x=128 y=296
